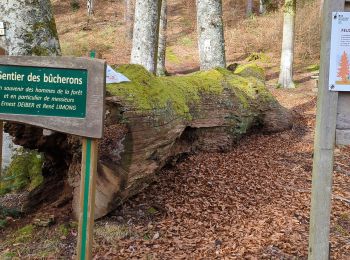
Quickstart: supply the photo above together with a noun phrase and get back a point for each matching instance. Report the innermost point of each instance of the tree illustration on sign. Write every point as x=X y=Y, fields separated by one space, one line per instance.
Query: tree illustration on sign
x=344 y=70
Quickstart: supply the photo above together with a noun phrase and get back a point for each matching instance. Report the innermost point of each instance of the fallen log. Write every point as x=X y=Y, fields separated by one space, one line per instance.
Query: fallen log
x=151 y=122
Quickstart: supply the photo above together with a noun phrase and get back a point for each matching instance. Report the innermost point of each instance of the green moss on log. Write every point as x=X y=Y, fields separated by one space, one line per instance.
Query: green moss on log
x=148 y=92
x=250 y=69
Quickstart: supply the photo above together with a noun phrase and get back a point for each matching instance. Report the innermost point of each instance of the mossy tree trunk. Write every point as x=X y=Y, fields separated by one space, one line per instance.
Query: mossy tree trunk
x=31 y=28
x=211 y=43
x=146 y=33
x=287 y=54
x=162 y=39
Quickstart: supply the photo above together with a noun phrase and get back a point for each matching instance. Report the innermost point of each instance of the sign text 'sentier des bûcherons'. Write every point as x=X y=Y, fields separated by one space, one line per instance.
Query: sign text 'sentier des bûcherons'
x=64 y=94
x=43 y=91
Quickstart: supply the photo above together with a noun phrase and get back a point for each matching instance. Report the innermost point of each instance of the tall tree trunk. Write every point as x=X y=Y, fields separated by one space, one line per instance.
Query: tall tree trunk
x=262 y=7
x=321 y=6
x=162 y=39
x=287 y=55
x=31 y=28
x=211 y=43
x=90 y=7
x=129 y=18
x=249 y=10
x=146 y=32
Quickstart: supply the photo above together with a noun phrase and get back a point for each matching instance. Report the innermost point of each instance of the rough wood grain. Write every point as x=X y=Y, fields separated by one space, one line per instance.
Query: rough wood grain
x=324 y=145
x=87 y=198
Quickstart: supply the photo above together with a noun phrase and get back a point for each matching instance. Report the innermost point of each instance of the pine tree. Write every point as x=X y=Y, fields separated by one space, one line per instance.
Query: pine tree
x=343 y=71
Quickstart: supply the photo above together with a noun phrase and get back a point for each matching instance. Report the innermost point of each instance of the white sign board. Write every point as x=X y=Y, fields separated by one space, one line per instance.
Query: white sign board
x=114 y=77
x=339 y=71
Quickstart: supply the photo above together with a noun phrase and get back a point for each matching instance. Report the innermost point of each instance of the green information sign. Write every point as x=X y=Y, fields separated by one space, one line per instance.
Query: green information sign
x=43 y=91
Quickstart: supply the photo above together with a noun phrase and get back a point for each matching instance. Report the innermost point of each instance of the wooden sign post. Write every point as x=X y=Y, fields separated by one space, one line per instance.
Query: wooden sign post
x=87 y=198
x=87 y=195
x=2 y=52
x=1 y=145
x=331 y=126
x=65 y=95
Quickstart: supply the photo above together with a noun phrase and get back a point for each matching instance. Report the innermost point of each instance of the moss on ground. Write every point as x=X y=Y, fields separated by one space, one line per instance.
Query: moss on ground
x=147 y=92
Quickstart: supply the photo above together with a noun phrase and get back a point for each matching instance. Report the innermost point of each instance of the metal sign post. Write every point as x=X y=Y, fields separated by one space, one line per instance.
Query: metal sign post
x=327 y=121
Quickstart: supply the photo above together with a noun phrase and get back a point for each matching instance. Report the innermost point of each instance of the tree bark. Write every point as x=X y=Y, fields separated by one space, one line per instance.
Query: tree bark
x=211 y=42
x=162 y=39
x=287 y=55
x=31 y=28
x=129 y=18
x=249 y=10
x=146 y=33
x=90 y=7
x=262 y=7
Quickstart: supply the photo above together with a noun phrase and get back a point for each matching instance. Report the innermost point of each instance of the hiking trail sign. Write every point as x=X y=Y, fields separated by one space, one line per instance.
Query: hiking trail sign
x=339 y=70
x=66 y=95
x=57 y=93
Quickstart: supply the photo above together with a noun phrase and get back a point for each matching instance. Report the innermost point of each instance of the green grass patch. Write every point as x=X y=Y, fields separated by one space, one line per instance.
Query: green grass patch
x=82 y=42
x=23 y=234
x=186 y=41
x=171 y=56
x=313 y=68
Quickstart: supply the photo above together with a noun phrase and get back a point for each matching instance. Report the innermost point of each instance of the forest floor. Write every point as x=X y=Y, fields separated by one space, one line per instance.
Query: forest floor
x=250 y=203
